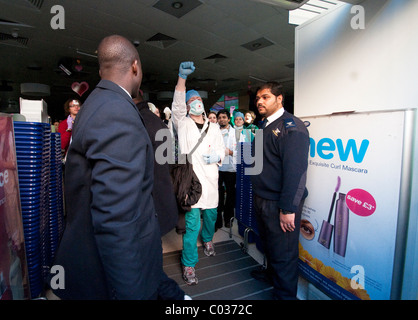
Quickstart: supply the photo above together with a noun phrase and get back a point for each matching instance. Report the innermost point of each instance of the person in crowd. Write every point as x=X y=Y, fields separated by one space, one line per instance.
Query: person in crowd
x=227 y=172
x=249 y=118
x=280 y=190
x=241 y=134
x=166 y=114
x=65 y=127
x=190 y=123
x=163 y=193
x=111 y=247
x=55 y=126
x=154 y=109
x=212 y=117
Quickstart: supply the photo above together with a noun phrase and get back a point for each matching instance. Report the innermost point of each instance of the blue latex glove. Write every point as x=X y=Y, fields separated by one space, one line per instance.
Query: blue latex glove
x=185 y=69
x=211 y=158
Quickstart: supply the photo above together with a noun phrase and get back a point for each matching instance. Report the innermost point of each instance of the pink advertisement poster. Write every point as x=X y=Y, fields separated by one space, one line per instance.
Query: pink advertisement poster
x=14 y=281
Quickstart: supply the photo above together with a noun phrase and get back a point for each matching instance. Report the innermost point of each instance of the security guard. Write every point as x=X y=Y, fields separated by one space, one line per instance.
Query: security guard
x=279 y=190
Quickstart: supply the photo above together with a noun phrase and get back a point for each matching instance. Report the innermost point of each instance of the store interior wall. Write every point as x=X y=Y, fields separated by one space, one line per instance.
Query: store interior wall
x=339 y=68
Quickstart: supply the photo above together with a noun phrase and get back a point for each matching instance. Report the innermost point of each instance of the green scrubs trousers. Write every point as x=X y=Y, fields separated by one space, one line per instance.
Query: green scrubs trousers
x=189 y=256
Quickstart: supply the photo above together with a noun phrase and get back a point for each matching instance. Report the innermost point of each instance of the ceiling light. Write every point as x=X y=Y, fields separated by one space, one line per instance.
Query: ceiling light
x=15 y=33
x=177 y=5
x=35 y=89
x=311 y=9
x=86 y=53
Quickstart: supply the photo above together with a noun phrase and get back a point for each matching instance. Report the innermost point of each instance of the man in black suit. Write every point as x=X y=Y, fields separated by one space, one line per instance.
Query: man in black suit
x=111 y=247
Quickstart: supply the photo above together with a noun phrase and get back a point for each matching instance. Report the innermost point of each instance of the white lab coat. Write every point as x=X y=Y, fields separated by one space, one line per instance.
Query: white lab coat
x=188 y=135
x=230 y=141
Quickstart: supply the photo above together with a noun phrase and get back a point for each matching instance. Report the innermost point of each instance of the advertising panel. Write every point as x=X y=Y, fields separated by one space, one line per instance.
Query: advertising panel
x=14 y=282
x=349 y=220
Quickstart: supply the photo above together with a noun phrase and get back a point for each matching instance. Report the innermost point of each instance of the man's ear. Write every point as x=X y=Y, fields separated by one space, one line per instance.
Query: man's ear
x=135 y=68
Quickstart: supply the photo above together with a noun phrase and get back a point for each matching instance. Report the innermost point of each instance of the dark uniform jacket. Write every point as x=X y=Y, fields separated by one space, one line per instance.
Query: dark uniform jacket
x=285 y=162
x=111 y=246
x=163 y=193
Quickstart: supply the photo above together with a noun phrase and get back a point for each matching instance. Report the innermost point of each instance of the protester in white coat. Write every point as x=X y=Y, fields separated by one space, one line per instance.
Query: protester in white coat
x=227 y=172
x=190 y=122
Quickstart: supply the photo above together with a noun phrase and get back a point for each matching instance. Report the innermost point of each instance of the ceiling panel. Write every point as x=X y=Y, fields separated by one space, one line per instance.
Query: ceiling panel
x=213 y=27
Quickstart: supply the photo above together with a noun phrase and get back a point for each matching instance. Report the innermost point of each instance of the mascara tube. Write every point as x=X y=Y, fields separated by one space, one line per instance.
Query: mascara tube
x=341 y=226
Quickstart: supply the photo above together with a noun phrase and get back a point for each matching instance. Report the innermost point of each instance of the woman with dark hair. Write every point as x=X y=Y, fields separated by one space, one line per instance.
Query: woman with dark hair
x=71 y=108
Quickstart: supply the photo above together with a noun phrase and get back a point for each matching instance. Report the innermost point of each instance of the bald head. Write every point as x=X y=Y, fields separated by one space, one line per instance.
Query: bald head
x=116 y=52
x=119 y=62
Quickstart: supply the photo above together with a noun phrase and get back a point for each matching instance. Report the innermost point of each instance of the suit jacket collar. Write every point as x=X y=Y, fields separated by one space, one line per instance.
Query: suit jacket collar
x=110 y=85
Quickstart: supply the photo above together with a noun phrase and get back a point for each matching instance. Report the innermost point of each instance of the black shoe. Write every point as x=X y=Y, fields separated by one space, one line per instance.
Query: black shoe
x=262 y=274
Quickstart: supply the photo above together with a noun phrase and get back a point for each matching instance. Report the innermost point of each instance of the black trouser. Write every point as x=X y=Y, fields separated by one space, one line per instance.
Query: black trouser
x=281 y=248
x=226 y=204
x=168 y=289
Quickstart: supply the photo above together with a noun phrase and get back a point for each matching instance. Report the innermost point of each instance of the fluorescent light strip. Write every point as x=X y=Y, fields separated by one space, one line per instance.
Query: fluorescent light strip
x=311 y=9
x=86 y=54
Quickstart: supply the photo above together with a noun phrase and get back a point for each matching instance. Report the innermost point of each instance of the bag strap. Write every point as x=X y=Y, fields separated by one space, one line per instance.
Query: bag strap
x=202 y=136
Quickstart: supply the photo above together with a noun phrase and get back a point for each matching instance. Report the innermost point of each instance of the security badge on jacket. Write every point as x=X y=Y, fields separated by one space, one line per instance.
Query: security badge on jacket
x=288 y=123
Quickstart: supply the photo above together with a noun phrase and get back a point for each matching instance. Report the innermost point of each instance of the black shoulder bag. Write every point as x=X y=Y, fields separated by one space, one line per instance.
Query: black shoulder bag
x=186 y=184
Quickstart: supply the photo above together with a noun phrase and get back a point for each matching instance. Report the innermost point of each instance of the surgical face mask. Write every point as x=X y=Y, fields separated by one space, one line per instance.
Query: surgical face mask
x=196 y=108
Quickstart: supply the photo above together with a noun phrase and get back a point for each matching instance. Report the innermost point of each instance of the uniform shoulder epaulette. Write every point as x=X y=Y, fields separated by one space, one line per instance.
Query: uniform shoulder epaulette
x=289 y=123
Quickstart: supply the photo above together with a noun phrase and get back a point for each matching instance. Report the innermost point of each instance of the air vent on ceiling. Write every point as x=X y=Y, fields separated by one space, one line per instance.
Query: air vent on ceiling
x=8 y=39
x=29 y=4
x=215 y=58
x=257 y=44
x=161 y=41
x=36 y=3
x=177 y=8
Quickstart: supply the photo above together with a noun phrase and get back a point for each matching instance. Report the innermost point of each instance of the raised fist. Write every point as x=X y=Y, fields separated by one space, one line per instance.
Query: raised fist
x=186 y=68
